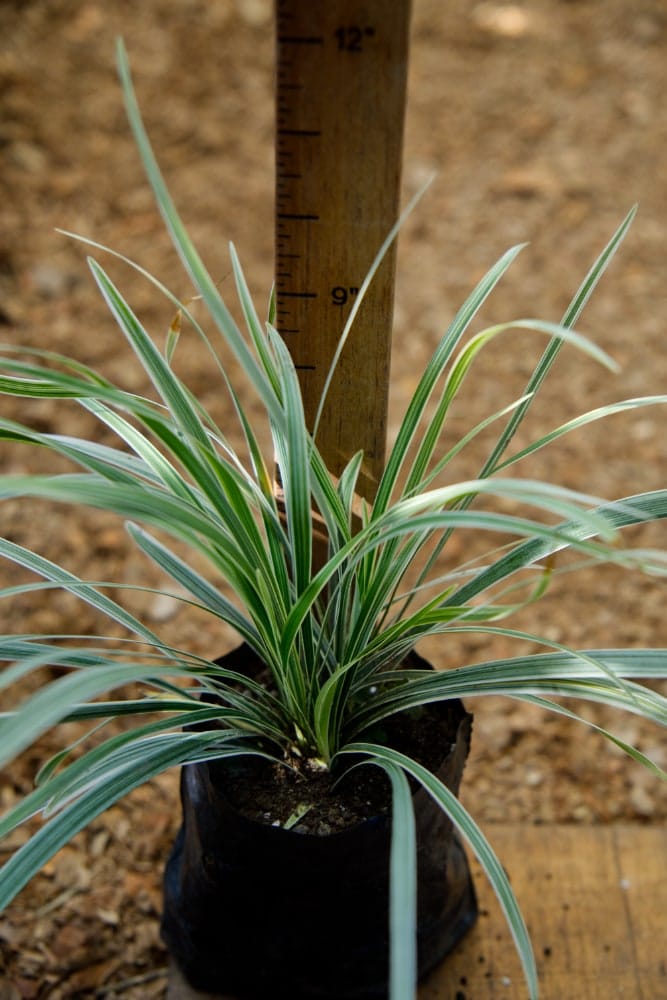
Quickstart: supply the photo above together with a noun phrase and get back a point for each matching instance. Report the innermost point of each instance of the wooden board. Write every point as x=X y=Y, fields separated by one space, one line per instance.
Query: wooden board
x=595 y=900
x=341 y=70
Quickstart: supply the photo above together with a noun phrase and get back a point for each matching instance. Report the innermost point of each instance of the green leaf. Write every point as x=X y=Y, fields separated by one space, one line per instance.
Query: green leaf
x=642 y=507
x=292 y=455
x=465 y=824
x=53 y=702
x=588 y=675
x=186 y=250
x=571 y=316
x=402 y=888
x=460 y=368
x=431 y=376
x=68 y=581
x=211 y=599
x=158 y=754
x=161 y=375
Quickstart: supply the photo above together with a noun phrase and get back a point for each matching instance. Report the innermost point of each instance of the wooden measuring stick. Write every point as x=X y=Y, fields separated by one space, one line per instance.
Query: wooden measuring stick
x=340 y=106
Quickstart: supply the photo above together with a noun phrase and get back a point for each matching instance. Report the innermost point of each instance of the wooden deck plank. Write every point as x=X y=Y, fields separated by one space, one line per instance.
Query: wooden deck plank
x=643 y=868
x=595 y=900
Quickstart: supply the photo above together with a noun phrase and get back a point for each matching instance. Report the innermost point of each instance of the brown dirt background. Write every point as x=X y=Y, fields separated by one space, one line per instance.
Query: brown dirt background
x=544 y=122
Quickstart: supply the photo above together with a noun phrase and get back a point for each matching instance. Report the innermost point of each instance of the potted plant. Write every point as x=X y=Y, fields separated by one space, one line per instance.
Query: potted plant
x=325 y=734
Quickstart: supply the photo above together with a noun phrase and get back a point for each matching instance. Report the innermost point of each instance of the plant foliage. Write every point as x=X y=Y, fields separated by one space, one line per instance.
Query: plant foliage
x=333 y=636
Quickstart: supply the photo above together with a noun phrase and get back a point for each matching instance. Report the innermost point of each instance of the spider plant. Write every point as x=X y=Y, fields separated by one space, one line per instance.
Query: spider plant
x=333 y=637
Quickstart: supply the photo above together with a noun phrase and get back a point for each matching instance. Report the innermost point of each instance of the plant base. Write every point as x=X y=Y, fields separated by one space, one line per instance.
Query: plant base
x=254 y=911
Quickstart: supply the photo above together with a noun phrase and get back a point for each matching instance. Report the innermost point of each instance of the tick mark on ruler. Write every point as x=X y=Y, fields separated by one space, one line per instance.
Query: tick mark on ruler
x=298 y=216
x=299 y=131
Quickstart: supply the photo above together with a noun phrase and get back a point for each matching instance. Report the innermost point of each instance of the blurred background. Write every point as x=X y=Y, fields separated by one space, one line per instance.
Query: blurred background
x=544 y=122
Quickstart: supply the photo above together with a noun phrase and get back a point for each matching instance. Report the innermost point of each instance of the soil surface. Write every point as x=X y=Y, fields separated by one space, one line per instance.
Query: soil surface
x=544 y=122
x=311 y=799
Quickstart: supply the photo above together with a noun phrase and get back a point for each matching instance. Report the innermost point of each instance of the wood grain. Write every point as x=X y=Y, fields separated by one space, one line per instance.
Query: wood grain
x=595 y=900
x=341 y=84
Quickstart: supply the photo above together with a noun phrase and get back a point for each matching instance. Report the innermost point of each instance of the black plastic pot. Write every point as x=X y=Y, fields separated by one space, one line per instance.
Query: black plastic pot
x=257 y=911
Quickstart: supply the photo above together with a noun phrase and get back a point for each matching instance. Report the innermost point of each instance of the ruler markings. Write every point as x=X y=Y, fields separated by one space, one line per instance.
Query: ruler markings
x=299 y=216
x=340 y=91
